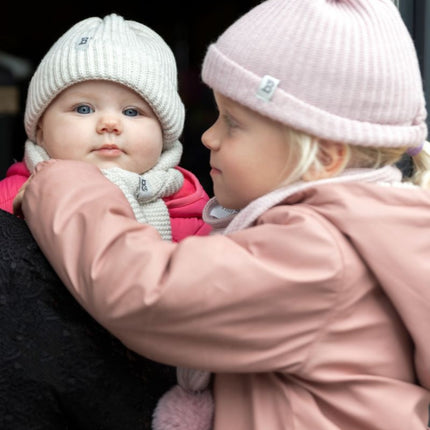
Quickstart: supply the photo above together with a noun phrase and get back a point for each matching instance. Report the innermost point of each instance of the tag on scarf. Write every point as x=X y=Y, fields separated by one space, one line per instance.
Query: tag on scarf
x=144 y=189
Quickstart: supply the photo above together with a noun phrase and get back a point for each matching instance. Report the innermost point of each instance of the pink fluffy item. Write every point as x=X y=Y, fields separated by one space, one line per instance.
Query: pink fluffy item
x=188 y=405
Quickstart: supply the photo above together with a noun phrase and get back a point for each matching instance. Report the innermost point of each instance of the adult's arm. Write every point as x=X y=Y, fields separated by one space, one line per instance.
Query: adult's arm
x=59 y=369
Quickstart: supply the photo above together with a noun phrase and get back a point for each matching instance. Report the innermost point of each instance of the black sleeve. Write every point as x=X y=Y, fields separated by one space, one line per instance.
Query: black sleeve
x=59 y=369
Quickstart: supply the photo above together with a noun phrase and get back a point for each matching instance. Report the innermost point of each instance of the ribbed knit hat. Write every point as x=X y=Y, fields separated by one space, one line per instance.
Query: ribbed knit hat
x=112 y=49
x=342 y=70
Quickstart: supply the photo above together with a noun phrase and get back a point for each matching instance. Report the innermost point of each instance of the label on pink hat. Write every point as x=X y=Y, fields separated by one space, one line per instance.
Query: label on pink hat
x=268 y=85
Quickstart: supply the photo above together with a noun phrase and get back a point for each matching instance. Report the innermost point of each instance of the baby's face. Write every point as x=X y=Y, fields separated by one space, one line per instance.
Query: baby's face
x=103 y=123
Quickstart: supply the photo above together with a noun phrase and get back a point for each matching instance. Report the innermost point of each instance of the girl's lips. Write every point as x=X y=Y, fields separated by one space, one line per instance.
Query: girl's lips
x=214 y=171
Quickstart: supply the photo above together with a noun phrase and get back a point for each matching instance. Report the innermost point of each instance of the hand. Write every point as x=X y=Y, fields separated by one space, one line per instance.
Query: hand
x=17 y=201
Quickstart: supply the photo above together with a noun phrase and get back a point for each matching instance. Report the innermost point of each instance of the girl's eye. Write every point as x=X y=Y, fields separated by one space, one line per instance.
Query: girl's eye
x=84 y=109
x=230 y=122
x=130 y=112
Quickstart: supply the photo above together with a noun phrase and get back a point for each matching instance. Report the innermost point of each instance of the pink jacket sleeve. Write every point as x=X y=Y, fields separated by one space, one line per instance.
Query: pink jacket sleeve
x=221 y=303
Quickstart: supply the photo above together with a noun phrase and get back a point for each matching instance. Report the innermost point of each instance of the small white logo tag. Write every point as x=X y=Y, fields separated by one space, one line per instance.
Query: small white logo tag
x=268 y=85
x=144 y=189
x=83 y=42
x=221 y=212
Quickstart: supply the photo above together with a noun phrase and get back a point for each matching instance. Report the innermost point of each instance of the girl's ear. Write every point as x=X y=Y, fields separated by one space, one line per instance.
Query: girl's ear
x=332 y=157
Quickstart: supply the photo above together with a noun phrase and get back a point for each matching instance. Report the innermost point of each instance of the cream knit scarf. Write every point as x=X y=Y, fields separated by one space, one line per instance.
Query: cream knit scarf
x=144 y=192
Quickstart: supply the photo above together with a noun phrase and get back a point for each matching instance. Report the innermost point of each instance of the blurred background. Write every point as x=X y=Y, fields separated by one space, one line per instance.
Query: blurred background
x=27 y=32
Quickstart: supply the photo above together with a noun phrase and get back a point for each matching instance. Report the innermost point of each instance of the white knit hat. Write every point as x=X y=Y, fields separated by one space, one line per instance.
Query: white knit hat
x=342 y=70
x=110 y=49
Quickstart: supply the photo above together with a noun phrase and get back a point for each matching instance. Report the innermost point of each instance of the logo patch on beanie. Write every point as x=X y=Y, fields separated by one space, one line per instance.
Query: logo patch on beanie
x=83 y=42
x=268 y=85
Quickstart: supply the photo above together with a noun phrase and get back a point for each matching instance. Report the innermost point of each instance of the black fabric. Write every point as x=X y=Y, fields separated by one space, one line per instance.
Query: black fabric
x=59 y=369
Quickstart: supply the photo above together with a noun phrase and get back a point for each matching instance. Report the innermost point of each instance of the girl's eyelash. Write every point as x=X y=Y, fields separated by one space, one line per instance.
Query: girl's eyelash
x=230 y=121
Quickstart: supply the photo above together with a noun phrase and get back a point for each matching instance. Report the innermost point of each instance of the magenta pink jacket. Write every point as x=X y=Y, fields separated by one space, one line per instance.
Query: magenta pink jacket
x=316 y=316
x=185 y=207
x=16 y=175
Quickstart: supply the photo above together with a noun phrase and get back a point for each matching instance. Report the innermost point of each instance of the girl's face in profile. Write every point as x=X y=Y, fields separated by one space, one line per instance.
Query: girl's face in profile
x=103 y=123
x=248 y=154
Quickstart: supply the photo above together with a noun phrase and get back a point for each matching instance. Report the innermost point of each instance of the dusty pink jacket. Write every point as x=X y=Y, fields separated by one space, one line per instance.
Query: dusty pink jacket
x=315 y=317
x=185 y=207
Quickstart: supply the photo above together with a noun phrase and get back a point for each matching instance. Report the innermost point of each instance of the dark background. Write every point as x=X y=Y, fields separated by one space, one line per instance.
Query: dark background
x=28 y=31
x=188 y=27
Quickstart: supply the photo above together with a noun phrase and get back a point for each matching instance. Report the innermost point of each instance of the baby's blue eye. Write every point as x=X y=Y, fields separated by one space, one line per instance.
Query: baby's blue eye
x=130 y=112
x=84 y=109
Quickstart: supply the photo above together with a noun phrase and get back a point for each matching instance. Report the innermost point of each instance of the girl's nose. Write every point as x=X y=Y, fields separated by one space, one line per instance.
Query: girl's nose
x=209 y=138
x=109 y=124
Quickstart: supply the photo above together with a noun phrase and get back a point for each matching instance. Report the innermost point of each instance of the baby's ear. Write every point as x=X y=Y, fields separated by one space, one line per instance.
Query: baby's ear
x=39 y=133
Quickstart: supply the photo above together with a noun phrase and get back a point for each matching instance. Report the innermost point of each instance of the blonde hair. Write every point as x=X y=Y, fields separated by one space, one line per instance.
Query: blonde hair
x=421 y=161
x=304 y=155
x=375 y=157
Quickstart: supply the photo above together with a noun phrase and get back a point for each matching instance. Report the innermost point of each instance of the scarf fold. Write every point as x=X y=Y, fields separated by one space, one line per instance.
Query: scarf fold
x=144 y=192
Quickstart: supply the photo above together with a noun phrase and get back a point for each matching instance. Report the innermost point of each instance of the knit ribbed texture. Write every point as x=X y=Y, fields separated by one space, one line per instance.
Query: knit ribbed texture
x=191 y=379
x=347 y=70
x=111 y=49
x=148 y=208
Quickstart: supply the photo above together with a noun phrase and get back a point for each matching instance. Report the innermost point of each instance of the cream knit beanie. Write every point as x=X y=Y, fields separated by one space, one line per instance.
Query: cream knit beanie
x=342 y=70
x=110 y=49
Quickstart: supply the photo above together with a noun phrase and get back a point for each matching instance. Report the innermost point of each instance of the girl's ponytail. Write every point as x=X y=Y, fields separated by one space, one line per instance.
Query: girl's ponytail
x=421 y=167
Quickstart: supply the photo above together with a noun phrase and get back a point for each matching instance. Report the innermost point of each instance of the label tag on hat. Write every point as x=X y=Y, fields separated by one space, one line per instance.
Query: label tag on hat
x=268 y=85
x=83 y=42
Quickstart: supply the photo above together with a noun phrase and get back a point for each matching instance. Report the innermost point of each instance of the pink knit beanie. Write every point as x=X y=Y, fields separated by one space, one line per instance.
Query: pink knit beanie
x=342 y=70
